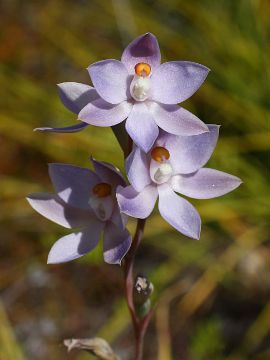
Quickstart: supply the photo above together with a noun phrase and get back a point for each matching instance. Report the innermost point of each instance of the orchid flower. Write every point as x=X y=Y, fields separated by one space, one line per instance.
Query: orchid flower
x=84 y=200
x=140 y=90
x=174 y=164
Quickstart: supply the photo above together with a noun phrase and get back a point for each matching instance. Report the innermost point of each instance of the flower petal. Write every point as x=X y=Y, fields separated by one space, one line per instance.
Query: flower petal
x=111 y=80
x=176 y=120
x=179 y=212
x=144 y=49
x=67 y=129
x=190 y=153
x=205 y=184
x=137 y=204
x=118 y=218
x=176 y=81
x=137 y=168
x=76 y=96
x=55 y=209
x=108 y=173
x=73 y=183
x=116 y=243
x=75 y=245
x=141 y=127
x=101 y=113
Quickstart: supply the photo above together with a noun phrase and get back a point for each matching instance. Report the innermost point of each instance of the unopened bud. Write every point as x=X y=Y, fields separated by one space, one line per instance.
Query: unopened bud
x=143 y=289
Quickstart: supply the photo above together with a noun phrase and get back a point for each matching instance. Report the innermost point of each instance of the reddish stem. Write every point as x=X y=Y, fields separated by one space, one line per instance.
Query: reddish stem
x=139 y=325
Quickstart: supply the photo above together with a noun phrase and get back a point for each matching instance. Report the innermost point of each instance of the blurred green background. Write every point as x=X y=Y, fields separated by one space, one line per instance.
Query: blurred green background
x=213 y=294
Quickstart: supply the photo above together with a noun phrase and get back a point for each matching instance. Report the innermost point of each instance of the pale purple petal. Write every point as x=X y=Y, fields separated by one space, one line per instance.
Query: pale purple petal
x=205 y=183
x=111 y=80
x=178 y=212
x=101 y=113
x=55 y=209
x=116 y=243
x=175 y=81
x=76 y=96
x=118 y=218
x=137 y=168
x=137 y=204
x=176 y=120
x=144 y=49
x=67 y=129
x=73 y=183
x=190 y=153
x=75 y=245
x=141 y=127
x=108 y=173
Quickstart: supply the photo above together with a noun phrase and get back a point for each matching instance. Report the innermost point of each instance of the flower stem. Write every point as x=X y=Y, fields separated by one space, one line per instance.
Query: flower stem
x=139 y=325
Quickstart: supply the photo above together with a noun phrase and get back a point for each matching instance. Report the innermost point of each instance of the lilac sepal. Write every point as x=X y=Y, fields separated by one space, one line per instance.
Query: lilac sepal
x=118 y=218
x=178 y=212
x=108 y=173
x=55 y=209
x=143 y=49
x=141 y=126
x=102 y=113
x=137 y=165
x=205 y=183
x=111 y=80
x=175 y=81
x=76 y=96
x=189 y=153
x=73 y=183
x=137 y=204
x=176 y=120
x=116 y=243
x=73 y=246
x=67 y=129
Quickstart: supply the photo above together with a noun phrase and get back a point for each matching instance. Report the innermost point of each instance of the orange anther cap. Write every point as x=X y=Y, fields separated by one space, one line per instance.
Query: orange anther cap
x=102 y=190
x=142 y=69
x=159 y=154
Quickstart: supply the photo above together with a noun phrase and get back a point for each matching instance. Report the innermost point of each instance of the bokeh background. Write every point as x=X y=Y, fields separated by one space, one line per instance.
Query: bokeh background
x=213 y=294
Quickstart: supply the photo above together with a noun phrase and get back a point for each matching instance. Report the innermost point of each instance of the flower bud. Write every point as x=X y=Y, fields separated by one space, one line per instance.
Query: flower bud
x=143 y=289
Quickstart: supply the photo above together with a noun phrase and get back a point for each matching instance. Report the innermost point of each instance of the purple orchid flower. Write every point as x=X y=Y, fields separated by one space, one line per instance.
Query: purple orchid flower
x=174 y=165
x=140 y=89
x=85 y=200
